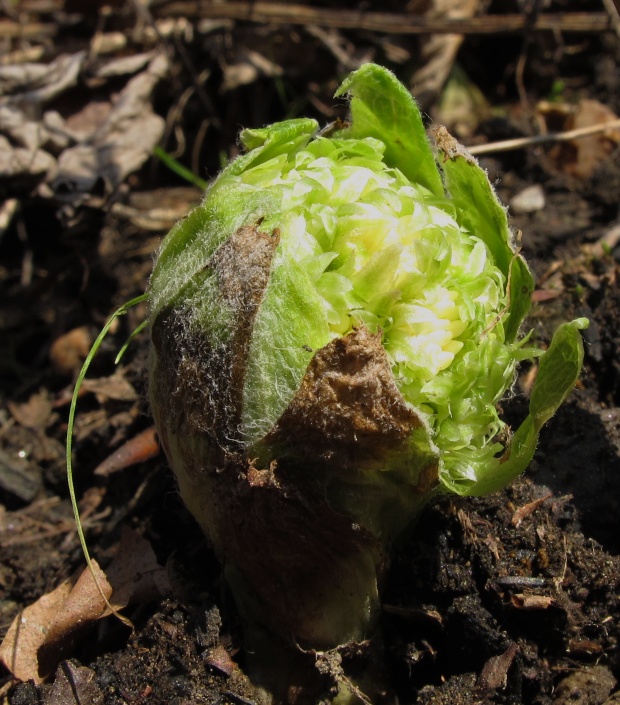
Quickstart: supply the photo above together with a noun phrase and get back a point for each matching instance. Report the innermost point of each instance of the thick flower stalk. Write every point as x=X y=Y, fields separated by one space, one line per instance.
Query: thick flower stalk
x=332 y=329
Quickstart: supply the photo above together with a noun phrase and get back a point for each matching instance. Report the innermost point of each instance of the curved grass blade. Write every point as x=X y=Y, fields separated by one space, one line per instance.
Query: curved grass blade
x=121 y=311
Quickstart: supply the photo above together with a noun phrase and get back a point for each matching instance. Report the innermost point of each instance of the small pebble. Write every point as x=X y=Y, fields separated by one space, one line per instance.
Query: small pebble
x=587 y=686
x=530 y=200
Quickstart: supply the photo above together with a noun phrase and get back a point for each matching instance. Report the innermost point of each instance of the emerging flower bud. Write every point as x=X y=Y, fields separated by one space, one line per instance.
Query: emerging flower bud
x=332 y=329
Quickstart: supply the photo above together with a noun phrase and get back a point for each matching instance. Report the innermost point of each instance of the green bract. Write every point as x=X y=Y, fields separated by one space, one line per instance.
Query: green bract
x=332 y=329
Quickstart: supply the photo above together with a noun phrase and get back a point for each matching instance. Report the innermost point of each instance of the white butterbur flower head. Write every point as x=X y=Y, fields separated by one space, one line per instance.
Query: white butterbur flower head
x=332 y=329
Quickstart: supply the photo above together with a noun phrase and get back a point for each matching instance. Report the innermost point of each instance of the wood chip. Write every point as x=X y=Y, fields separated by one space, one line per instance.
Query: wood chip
x=136 y=450
x=533 y=602
x=523 y=512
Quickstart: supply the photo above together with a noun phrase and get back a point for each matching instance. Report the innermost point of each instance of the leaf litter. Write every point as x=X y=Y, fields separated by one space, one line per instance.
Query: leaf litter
x=47 y=631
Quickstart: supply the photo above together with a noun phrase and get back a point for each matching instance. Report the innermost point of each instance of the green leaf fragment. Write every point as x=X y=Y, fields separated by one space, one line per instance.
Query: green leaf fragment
x=478 y=208
x=290 y=327
x=558 y=372
x=520 y=288
x=382 y=107
x=269 y=142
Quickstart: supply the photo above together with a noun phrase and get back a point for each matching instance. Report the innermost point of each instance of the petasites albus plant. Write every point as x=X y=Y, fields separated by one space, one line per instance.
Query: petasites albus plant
x=332 y=330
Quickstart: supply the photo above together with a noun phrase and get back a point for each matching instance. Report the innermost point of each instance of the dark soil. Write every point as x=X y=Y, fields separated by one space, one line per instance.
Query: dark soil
x=486 y=602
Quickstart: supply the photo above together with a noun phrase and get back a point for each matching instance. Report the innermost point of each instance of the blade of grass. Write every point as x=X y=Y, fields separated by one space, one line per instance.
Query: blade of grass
x=121 y=311
x=179 y=169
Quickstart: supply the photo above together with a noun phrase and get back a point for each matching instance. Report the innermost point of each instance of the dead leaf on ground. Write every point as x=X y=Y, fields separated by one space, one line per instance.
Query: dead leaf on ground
x=542 y=295
x=18 y=651
x=7 y=210
x=37 y=83
x=46 y=151
x=34 y=413
x=25 y=163
x=580 y=157
x=48 y=630
x=250 y=67
x=120 y=145
x=135 y=573
x=113 y=387
x=157 y=210
x=67 y=626
x=68 y=351
x=123 y=66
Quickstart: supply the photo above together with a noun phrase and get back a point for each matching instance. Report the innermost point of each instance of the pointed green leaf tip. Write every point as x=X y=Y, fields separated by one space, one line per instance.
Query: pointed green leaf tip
x=558 y=372
x=383 y=108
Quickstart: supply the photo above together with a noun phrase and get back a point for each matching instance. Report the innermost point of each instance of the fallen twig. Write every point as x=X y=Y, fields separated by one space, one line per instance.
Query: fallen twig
x=613 y=8
x=390 y=23
x=519 y=142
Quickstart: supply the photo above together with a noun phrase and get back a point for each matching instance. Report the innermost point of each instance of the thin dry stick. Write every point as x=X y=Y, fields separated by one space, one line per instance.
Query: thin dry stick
x=19 y=30
x=519 y=142
x=387 y=22
x=613 y=8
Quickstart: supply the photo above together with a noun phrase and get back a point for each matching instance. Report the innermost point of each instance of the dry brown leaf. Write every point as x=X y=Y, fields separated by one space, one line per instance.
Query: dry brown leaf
x=107 y=43
x=580 y=157
x=68 y=352
x=120 y=145
x=7 y=210
x=541 y=295
x=123 y=65
x=48 y=630
x=157 y=210
x=18 y=651
x=20 y=162
x=590 y=151
x=87 y=120
x=41 y=82
x=34 y=413
x=83 y=606
x=29 y=134
x=113 y=387
x=135 y=573
x=250 y=67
